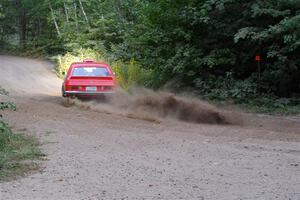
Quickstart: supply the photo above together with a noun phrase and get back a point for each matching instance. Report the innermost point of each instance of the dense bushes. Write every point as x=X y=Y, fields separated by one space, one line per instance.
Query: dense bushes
x=221 y=88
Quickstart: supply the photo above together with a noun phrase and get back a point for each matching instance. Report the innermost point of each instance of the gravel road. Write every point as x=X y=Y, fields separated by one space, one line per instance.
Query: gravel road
x=96 y=155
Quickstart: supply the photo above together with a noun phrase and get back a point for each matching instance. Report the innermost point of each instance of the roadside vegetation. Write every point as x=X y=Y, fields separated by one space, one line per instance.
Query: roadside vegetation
x=207 y=47
x=17 y=151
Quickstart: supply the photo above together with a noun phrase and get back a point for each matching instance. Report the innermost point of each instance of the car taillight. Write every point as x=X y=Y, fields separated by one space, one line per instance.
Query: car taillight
x=108 y=87
x=75 y=87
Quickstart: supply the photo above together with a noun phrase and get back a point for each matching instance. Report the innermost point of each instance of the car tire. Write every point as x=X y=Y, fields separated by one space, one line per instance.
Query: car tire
x=63 y=92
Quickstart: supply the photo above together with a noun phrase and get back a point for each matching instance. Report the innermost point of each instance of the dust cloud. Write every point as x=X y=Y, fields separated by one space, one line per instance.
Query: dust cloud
x=153 y=106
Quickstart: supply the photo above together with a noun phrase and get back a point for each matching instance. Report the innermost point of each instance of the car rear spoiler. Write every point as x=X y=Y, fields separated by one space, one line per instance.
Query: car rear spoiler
x=93 y=77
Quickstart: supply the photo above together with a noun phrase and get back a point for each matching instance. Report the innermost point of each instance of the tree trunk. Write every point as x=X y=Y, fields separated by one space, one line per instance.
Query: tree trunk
x=75 y=12
x=54 y=20
x=23 y=26
x=22 y=22
x=66 y=12
x=83 y=12
x=39 y=27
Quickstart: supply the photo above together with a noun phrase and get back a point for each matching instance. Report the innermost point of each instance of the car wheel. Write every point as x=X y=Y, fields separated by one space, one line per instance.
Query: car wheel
x=63 y=92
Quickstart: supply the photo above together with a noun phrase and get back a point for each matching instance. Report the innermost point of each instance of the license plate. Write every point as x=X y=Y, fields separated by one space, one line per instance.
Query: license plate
x=91 y=89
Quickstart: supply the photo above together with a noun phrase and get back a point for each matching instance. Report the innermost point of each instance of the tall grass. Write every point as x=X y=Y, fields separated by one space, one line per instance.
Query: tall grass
x=130 y=74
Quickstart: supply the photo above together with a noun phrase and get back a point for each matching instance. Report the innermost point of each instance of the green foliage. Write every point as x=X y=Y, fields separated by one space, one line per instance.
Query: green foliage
x=227 y=88
x=3 y=91
x=276 y=37
x=273 y=105
x=6 y=105
x=15 y=148
x=132 y=74
x=127 y=75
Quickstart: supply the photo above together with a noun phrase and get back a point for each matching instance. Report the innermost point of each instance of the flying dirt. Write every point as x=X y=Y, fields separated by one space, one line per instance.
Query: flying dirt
x=154 y=106
x=147 y=145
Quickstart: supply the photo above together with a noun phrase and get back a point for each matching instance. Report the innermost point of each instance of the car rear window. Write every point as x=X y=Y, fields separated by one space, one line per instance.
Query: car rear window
x=90 y=71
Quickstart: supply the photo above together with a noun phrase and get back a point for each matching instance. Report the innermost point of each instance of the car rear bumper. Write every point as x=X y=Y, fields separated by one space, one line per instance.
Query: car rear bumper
x=88 y=93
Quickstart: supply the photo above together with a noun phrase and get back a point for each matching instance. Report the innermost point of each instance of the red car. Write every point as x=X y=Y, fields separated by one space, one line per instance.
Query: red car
x=88 y=78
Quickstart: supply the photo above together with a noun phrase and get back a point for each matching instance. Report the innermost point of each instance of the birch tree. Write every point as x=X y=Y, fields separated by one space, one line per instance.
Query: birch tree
x=66 y=12
x=54 y=19
x=75 y=14
x=83 y=12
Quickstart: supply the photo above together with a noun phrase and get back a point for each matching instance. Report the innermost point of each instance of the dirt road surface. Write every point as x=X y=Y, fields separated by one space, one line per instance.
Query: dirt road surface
x=95 y=155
